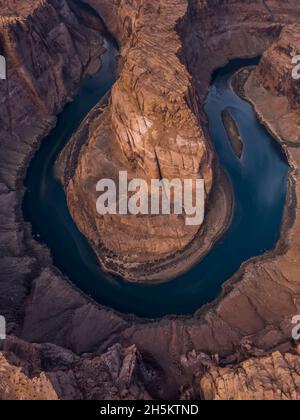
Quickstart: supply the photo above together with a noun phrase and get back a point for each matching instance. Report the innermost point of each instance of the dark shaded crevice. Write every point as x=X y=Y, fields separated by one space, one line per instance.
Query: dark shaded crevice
x=268 y=8
x=89 y=17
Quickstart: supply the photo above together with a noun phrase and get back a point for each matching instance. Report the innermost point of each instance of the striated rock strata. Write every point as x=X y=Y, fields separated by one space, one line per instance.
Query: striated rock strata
x=48 y=372
x=150 y=130
x=274 y=377
x=47 y=52
x=273 y=90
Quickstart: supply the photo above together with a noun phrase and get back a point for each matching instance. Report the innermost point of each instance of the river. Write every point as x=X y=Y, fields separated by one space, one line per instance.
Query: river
x=259 y=182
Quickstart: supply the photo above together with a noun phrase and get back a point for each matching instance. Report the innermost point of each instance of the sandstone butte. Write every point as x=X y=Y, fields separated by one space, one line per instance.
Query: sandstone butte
x=151 y=130
x=91 y=352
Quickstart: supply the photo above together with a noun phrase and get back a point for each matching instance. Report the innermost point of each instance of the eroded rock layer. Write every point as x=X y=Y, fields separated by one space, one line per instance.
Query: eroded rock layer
x=49 y=372
x=275 y=377
x=273 y=90
x=47 y=52
x=150 y=130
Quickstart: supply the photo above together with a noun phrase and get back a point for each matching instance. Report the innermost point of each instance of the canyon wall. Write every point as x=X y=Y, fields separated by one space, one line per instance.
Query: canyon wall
x=150 y=130
x=275 y=93
x=47 y=52
x=48 y=372
x=275 y=377
x=230 y=29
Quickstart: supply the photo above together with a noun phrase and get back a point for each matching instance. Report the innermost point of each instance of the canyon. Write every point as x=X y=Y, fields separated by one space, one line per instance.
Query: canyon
x=62 y=344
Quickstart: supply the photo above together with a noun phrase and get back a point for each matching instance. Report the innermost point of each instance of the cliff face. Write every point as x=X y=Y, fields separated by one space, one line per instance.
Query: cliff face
x=49 y=372
x=274 y=377
x=151 y=130
x=230 y=29
x=15 y=385
x=273 y=89
x=274 y=95
x=42 y=307
x=47 y=51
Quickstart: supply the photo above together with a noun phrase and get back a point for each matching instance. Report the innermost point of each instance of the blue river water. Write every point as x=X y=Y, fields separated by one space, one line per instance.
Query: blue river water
x=259 y=182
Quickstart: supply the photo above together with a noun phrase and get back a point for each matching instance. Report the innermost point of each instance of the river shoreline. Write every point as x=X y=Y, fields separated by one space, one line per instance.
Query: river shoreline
x=185 y=260
x=162 y=271
x=224 y=189
x=238 y=82
x=219 y=209
x=290 y=205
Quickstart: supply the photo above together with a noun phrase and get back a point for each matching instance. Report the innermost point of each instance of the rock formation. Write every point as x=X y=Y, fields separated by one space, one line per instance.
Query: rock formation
x=15 y=385
x=42 y=307
x=47 y=52
x=233 y=133
x=48 y=372
x=274 y=92
x=150 y=130
x=274 y=377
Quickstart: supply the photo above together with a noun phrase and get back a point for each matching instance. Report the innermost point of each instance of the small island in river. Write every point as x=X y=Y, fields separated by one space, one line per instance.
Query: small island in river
x=233 y=133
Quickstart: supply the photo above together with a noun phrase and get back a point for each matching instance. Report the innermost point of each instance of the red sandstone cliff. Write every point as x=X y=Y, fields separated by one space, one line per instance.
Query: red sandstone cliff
x=48 y=372
x=47 y=51
x=274 y=91
x=151 y=130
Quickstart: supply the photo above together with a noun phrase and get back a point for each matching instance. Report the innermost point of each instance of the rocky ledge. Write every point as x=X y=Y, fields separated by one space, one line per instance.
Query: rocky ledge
x=48 y=372
x=273 y=377
x=43 y=307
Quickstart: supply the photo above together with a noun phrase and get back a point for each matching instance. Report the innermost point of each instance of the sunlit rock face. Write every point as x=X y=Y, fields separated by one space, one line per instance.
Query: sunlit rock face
x=48 y=372
x=274 y=87
x=151 y=130
x=274 y=377
x=155 y=128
